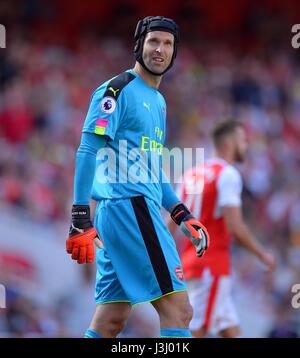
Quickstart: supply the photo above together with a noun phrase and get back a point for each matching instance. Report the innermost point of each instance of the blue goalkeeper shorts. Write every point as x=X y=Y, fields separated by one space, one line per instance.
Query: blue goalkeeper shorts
x=139 y=261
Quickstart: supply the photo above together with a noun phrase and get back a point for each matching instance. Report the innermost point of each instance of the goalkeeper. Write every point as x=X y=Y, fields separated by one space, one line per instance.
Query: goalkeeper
x=137 y=261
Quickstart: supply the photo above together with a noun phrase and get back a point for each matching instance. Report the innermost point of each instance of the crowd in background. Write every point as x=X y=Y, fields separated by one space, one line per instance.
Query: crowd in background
x=44 y=97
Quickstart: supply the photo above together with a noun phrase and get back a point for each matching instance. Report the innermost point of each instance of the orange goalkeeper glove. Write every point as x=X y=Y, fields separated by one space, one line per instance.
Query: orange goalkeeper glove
x=82 y=234
x=191 y=228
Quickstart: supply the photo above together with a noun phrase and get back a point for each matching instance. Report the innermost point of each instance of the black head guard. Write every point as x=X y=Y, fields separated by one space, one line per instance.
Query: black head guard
x=154 y=23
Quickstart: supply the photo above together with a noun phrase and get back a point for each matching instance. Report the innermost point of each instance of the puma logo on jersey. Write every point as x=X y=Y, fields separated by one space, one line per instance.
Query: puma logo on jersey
x=113 y=91
x=146 y=105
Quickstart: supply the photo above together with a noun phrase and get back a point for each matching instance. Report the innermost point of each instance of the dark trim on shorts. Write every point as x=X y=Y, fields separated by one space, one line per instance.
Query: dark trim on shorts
x=152 y=244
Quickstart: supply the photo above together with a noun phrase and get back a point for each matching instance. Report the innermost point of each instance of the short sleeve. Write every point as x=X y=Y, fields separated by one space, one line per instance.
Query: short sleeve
x=105 y=113
x=229 y=187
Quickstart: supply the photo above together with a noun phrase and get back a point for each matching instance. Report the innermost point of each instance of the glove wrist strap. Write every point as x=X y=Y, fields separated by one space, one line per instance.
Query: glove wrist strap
x=81 y=216
x=180 y=213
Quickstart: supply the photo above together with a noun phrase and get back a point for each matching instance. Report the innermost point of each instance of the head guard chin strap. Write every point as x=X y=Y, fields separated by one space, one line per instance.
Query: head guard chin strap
x=154 y=23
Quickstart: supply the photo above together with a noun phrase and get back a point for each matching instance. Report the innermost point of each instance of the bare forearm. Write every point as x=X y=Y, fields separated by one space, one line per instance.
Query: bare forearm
x=238 y=228
x=244 y=236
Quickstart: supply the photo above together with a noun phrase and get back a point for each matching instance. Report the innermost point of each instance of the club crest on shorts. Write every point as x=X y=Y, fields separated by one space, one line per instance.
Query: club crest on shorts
x=179 y=273
x=108 y=105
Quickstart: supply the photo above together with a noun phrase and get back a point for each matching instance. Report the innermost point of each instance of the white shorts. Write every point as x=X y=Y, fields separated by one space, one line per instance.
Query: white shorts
x=211 y=299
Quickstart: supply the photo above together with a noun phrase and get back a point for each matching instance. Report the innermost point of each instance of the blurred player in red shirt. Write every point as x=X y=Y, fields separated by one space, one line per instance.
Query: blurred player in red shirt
x=218 y=206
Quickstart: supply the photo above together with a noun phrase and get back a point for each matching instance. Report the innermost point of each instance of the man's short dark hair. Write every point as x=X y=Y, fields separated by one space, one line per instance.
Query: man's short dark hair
x=224 y=128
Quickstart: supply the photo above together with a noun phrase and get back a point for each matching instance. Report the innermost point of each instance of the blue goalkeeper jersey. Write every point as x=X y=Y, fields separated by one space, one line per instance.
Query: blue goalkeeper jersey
x=133 y=117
